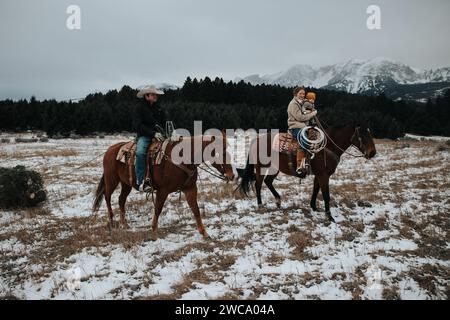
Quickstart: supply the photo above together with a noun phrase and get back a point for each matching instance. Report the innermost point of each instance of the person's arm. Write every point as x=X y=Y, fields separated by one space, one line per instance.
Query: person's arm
x=308 y=106
x=163 y=118
x=296 y=112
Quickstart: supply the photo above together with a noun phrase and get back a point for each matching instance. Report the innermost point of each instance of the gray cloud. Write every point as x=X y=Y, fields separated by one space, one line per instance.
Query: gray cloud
x=136 y=42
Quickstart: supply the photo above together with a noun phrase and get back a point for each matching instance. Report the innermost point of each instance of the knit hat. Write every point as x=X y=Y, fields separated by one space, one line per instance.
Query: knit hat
x=311 y=96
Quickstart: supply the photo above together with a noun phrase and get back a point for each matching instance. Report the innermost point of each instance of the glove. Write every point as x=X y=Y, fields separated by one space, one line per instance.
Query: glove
x=159 y=136
x=314 y=113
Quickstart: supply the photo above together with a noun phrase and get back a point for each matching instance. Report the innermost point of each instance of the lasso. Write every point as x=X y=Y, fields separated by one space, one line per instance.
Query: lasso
x=312 y=146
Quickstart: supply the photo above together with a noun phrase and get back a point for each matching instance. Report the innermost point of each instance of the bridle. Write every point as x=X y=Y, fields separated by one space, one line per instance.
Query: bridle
x=361 y=145
x=211 y=171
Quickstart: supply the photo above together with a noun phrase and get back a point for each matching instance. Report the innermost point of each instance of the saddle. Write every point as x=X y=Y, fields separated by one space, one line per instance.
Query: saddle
x=155 y=155
x=285 y=143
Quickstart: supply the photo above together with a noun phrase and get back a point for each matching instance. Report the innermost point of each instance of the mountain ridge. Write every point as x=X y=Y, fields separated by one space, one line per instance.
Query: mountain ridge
x=372 y=77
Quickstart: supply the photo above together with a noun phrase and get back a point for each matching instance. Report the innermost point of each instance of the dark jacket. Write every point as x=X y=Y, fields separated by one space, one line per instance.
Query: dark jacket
x=147 y=117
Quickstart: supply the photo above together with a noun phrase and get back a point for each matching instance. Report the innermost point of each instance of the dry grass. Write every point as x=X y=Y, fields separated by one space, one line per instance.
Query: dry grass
x=210 y=269
x=347 y=236
x=381 y=223
x=300 y=240
x=355 y=288
x=275 y=259
x=390 y=293
x=45 y=153
x=36 y=212
x=426 y=276
x=55 y=240
x=51 y=241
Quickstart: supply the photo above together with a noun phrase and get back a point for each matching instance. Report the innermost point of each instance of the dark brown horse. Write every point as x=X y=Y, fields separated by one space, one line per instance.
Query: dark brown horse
x=323 y=165
x=168 y=177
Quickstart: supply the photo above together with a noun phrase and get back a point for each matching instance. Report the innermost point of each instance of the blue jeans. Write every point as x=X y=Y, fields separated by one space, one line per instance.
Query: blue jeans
x=296 y=132
x=141 y=158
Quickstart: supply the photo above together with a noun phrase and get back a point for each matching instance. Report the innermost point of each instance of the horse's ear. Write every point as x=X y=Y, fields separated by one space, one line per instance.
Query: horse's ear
x=356 y=123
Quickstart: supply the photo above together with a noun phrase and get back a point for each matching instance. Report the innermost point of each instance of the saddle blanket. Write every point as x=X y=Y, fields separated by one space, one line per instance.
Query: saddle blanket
x=285 y=143
x=155 y=152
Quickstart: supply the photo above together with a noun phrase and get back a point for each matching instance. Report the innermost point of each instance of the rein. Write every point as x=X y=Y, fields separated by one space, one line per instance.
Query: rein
x=79 y=167
x=190 y=172
x=351 y=139
x=211 y=172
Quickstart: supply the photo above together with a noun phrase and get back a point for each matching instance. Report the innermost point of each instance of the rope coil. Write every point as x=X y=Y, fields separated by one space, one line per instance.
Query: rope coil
x=312 y=145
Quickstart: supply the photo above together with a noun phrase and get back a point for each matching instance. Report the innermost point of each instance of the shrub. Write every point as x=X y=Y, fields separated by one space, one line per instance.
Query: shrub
x=20 y=188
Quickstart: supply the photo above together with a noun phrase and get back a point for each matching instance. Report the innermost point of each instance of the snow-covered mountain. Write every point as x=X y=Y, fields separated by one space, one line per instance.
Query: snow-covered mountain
x=167 y=86
x=372 y=76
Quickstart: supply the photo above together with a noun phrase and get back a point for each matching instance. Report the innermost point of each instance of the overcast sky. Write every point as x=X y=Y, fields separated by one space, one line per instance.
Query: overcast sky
x=137 y=42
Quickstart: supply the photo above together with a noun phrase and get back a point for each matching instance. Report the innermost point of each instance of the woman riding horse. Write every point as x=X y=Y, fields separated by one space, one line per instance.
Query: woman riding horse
x=324 y=164
x=300 y=112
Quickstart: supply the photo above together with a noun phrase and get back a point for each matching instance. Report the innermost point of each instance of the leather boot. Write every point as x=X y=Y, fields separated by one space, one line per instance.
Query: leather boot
x=301 y=157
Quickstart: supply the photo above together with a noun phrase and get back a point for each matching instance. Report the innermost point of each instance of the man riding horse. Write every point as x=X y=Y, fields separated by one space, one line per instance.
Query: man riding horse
x=300 y=112
x=148 y=116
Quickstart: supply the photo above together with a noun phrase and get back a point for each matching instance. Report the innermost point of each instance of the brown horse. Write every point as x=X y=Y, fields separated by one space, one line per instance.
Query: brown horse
x=323 y=165
x=168 y=177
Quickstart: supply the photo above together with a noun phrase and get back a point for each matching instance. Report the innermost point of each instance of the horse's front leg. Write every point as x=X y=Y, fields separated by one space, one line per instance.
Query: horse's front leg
x=191 y=198
x=324 y=182
x=316 y=189
x=161 y=197
x=269 y=183
x=126 y=189
x=258 y=185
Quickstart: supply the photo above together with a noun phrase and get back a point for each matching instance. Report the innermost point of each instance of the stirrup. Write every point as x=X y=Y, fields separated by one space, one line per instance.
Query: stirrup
x=144 y=187
x=301 y=172
x=147 y=186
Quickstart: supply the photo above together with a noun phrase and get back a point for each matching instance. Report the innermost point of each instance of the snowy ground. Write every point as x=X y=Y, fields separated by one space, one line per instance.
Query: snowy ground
x=390 y=241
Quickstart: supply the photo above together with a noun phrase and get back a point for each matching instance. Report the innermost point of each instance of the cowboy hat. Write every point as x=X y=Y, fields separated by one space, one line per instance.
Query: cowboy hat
x=147 y=90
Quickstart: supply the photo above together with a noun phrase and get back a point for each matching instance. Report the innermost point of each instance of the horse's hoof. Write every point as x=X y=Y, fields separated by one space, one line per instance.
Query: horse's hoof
x=154 y=236
x=330 y=217
x=278 y=203
x=206 y=236
x=124 y=226
x=111 y=225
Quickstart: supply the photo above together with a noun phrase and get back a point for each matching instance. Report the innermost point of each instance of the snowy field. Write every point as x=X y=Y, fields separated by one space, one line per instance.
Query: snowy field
x=391 y=239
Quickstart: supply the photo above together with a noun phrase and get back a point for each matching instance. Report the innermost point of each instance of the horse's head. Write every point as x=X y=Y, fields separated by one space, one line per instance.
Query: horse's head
x=223 y=163
x=363 y=140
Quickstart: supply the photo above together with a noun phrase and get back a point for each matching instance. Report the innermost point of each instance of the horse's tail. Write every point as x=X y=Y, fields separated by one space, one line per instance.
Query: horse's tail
x=99 y=194
x=247 y=177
